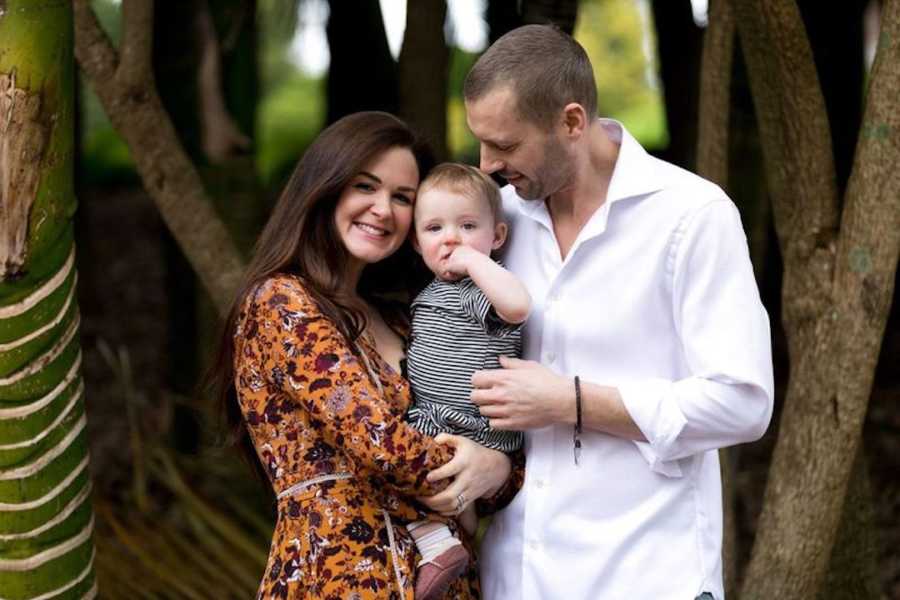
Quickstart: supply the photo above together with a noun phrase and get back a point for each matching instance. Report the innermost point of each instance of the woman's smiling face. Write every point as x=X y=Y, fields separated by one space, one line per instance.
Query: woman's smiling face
x=374 y=212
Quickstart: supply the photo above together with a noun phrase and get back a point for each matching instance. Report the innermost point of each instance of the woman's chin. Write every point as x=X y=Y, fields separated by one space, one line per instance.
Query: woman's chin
x=369 y=254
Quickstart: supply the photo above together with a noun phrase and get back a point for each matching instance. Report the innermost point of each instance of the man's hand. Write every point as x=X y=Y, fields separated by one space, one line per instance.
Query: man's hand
x=523 y=395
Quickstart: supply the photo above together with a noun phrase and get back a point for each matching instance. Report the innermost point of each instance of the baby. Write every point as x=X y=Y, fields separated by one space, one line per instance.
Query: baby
x=467 y=317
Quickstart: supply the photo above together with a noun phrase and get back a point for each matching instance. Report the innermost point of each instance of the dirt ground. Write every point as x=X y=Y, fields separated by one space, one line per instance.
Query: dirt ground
x=125 y=308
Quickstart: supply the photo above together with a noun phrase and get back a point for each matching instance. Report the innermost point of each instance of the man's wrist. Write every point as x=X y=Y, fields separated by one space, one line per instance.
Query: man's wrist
x=567 y=413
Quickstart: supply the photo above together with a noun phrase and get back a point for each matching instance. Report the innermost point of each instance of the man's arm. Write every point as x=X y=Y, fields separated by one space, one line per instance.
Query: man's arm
x=527 y=395
x=726 y=399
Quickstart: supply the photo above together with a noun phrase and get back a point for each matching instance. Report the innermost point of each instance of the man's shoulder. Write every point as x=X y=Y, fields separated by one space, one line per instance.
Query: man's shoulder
x=682 y=192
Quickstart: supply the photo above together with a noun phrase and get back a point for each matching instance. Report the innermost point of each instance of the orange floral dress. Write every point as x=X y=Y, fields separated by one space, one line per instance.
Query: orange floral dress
x=328 y=428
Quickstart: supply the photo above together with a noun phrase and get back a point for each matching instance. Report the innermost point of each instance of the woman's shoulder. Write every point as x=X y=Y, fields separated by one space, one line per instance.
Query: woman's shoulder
x=281 y=291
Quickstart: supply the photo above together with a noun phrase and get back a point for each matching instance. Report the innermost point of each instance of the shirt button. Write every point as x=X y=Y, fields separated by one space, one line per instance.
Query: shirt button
x=539 y=483
x=534 y=545
x=551 y=356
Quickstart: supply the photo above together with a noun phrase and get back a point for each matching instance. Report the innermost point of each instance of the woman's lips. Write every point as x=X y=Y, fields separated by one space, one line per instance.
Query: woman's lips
x=372 y=230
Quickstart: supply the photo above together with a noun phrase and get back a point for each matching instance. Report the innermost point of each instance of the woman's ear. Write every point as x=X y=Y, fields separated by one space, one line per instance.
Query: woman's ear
x=500 y=231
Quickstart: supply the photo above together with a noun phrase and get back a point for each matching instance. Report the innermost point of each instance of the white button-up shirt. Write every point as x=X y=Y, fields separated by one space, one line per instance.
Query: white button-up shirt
x=657 y=298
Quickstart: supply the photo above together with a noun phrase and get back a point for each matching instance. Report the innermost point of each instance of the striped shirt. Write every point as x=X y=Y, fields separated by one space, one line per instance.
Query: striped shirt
x=455 y=332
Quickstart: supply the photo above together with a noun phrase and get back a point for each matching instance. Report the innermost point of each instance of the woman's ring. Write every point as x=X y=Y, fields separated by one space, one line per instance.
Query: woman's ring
x=460 y=502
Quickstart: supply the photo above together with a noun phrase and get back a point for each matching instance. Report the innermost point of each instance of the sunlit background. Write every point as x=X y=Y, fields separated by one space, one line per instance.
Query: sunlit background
x=294 y=58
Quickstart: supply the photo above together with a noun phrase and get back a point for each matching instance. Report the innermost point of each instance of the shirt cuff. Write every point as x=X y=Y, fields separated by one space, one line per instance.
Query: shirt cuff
x=655 y=411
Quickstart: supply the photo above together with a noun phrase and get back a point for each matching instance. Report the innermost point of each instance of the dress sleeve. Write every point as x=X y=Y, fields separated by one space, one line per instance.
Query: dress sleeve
x=306 y=361
x=509 y=489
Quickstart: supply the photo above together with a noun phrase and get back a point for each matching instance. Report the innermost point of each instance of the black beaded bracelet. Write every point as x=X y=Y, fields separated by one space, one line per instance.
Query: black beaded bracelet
x=576 y=433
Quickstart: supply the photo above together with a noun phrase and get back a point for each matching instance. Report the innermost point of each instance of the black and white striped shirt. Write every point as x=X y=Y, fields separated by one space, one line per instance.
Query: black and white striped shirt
x=455 y=332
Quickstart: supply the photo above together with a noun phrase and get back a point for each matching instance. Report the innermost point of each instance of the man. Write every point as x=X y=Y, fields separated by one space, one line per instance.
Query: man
x=642 y=288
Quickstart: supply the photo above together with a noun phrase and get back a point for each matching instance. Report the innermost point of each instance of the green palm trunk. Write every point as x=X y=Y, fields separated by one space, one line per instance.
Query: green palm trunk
x=46 y=520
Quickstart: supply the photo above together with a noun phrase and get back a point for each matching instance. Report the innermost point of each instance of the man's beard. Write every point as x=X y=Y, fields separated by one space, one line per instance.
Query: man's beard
x=553 y=173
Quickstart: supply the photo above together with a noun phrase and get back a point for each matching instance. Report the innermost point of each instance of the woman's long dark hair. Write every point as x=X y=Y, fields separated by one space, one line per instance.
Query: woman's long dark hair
x=300 y=238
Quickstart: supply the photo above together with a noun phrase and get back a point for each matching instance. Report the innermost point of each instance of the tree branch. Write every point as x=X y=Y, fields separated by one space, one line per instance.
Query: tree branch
x=715 y=93
x=165 y=169
x=136 y=49
x=833 y=364
x=869 y=242
x=222 y=138
x=93 y=50
x=797 y=154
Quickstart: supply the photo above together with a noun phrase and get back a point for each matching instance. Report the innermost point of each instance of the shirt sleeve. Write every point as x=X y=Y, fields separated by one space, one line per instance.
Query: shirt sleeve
x=724 y=332
x=476 y=306
x=307 y=361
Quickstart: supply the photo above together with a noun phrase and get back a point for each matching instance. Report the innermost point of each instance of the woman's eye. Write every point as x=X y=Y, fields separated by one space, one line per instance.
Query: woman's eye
x=365 y=187
x=403 y=199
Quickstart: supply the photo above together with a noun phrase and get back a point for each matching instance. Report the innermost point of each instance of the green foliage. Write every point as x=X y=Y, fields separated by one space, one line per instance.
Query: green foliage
x=622 y=47
x=291 y=113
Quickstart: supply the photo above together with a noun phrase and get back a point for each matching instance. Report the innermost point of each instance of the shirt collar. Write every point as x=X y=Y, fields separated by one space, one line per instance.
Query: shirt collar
x=635 y=174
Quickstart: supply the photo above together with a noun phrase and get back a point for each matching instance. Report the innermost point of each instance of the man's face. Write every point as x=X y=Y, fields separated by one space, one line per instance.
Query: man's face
x=532 y=159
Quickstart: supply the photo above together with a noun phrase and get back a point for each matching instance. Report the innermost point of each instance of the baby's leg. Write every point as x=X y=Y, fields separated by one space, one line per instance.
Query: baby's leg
x=444 y=558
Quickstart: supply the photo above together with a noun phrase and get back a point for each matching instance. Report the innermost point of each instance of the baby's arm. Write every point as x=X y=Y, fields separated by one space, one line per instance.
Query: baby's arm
x=505 y=292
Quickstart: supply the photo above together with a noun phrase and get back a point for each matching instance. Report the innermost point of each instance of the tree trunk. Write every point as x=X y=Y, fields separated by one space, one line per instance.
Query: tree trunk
x=125 y=85
x=838 y=285
x=502 y=16
x=562 y=13
x=363 y=74
x=680 y=44
x=46 y=519
x=852 y=572
x=424 y=61
x=205 y=73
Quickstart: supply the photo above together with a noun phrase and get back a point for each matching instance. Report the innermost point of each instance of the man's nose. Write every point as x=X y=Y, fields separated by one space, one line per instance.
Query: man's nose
x=489 y=163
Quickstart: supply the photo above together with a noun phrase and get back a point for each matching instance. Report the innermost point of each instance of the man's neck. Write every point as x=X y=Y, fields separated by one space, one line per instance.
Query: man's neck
x=571 y=207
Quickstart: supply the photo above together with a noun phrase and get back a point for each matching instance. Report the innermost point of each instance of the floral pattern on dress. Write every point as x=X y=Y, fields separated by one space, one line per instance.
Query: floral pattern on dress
x=315 y=409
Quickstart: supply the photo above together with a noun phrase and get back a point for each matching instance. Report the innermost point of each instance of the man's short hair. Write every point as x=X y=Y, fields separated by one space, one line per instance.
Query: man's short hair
x=468 y=181
x=545 y=68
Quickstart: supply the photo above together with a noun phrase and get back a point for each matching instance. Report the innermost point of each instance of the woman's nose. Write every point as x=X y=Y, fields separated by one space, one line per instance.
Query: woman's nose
x=381 y=205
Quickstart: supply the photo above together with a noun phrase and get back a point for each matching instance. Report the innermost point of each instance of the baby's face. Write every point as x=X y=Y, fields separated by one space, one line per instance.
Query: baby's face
x=445 y=219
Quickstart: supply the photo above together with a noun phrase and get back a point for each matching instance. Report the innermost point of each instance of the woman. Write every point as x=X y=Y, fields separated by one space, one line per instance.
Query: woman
x=314 y=367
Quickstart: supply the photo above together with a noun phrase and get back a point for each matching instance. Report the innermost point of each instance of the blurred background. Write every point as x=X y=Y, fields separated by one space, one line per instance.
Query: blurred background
x=178 y=514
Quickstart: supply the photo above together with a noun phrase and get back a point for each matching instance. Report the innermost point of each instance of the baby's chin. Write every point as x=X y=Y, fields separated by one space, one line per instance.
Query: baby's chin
x=447 y=276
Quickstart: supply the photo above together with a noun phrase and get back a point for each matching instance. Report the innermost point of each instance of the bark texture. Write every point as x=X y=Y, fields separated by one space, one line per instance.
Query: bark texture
x=715 y=93
x=46 y=517
x=125 y=85
x=23 y=138
x=424 y=60
x=838 y=285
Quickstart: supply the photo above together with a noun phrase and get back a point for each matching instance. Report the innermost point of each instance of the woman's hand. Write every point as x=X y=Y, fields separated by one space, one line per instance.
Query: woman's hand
x=477 y=472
